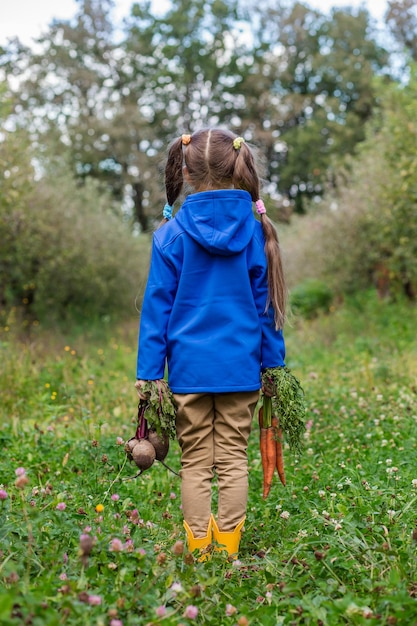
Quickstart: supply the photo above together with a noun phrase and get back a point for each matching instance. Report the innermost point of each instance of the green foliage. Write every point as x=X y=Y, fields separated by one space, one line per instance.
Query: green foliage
x=287 y=404
x=295 y=81
x=160 y=409
x=310 y=297
x=64 y=250
x=366 y=231
x=315 y=94
x=336 y=545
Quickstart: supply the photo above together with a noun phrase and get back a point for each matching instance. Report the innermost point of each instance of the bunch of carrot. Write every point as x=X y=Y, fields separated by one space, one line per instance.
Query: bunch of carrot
x=282 y=412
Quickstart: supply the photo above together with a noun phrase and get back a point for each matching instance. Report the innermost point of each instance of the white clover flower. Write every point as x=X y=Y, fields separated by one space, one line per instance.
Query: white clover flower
x=391 y=513
x=388 y=461
x=322 y=493
x=285 y=515
x=302 y=533
x=414 y=483
x=338 y=526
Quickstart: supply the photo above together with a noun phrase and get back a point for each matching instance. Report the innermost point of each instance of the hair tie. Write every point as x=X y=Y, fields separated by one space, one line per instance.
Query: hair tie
x=260 y=207
x=185 y=139
x=167 y=212
x=237 y=143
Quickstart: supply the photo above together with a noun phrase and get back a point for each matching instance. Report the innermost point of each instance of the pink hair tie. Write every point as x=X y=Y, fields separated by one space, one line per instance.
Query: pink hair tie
x=260 y=207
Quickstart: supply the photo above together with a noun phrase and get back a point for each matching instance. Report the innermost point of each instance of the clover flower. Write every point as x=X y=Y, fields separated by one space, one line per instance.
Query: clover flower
x=191 y=611
x=21 y=481
x=116 y=545
x=3 y=494
x=94 y=600
x=176 y=588
x=61 y=506
x=161 y=611
x=230 y=610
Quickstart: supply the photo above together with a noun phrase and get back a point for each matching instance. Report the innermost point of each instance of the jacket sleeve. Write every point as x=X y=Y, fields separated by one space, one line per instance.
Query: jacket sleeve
x=156 y=309
x=273 y=344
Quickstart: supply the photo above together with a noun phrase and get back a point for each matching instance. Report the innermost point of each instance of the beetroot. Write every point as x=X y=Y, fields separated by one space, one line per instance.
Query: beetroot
x=143 y=454
x=161 y=444
x=129 y=445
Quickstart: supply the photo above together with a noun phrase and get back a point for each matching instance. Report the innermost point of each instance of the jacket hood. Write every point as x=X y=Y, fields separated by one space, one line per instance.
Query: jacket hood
x=221 y=221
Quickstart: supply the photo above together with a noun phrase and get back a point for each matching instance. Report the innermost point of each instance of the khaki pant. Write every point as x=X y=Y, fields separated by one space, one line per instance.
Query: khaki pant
x=213 y=432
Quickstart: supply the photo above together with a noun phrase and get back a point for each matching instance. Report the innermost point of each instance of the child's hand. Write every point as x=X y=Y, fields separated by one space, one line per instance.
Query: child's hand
x=139 y=384
x=268 y=387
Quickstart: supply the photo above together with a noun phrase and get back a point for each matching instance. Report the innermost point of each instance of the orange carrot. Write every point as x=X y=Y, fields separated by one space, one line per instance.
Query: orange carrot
x=279 y=461
x=270 y=453
x=262 y=441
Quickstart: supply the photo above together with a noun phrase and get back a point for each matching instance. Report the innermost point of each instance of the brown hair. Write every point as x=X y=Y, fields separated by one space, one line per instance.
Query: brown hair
x=213 y=162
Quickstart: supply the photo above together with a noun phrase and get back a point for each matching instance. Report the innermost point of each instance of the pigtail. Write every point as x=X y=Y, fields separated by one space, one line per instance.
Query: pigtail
x=277 y=290
x=173 y=177
x=246 y=177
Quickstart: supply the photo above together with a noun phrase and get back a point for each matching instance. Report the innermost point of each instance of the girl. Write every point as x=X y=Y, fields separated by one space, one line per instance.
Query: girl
x=213 y=309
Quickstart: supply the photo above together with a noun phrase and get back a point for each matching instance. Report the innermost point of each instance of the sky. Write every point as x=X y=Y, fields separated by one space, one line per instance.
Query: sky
x=27 y=19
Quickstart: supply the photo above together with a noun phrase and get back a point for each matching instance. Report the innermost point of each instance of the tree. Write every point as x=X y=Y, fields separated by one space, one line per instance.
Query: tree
x=295 y=81
x=401 y=18
x=316 y=91
x=365 y=232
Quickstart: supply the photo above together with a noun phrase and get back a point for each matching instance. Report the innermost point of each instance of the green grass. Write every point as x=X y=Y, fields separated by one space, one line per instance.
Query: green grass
x=335 y=546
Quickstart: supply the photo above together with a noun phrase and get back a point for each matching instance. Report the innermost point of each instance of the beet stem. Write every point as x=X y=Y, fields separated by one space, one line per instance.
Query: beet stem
x=142 y=429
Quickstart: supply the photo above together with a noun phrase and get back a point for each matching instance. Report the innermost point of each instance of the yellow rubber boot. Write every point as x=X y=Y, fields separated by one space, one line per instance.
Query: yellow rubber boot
x=199 y=543
x=230 y=541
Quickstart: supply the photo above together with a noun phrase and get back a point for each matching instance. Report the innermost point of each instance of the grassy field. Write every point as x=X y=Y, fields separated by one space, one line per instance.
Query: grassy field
x=80 y=544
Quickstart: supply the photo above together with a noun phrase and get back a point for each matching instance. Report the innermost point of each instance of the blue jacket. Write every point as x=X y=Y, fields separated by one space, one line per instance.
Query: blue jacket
x=203 y=310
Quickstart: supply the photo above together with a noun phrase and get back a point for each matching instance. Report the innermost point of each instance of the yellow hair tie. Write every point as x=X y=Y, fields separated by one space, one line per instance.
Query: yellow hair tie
x=237 y=143
x=186 y=139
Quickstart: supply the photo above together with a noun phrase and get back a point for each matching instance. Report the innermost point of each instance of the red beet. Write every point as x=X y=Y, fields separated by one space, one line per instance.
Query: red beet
x=143 y=454
x=161 y=444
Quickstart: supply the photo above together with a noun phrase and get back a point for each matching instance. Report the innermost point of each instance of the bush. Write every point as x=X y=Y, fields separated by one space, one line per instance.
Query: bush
x=311 y=297
x=365 y=232
x=66 y=251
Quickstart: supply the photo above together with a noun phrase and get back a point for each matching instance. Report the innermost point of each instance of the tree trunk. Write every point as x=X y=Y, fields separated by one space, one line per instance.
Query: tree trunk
x=140 y=215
